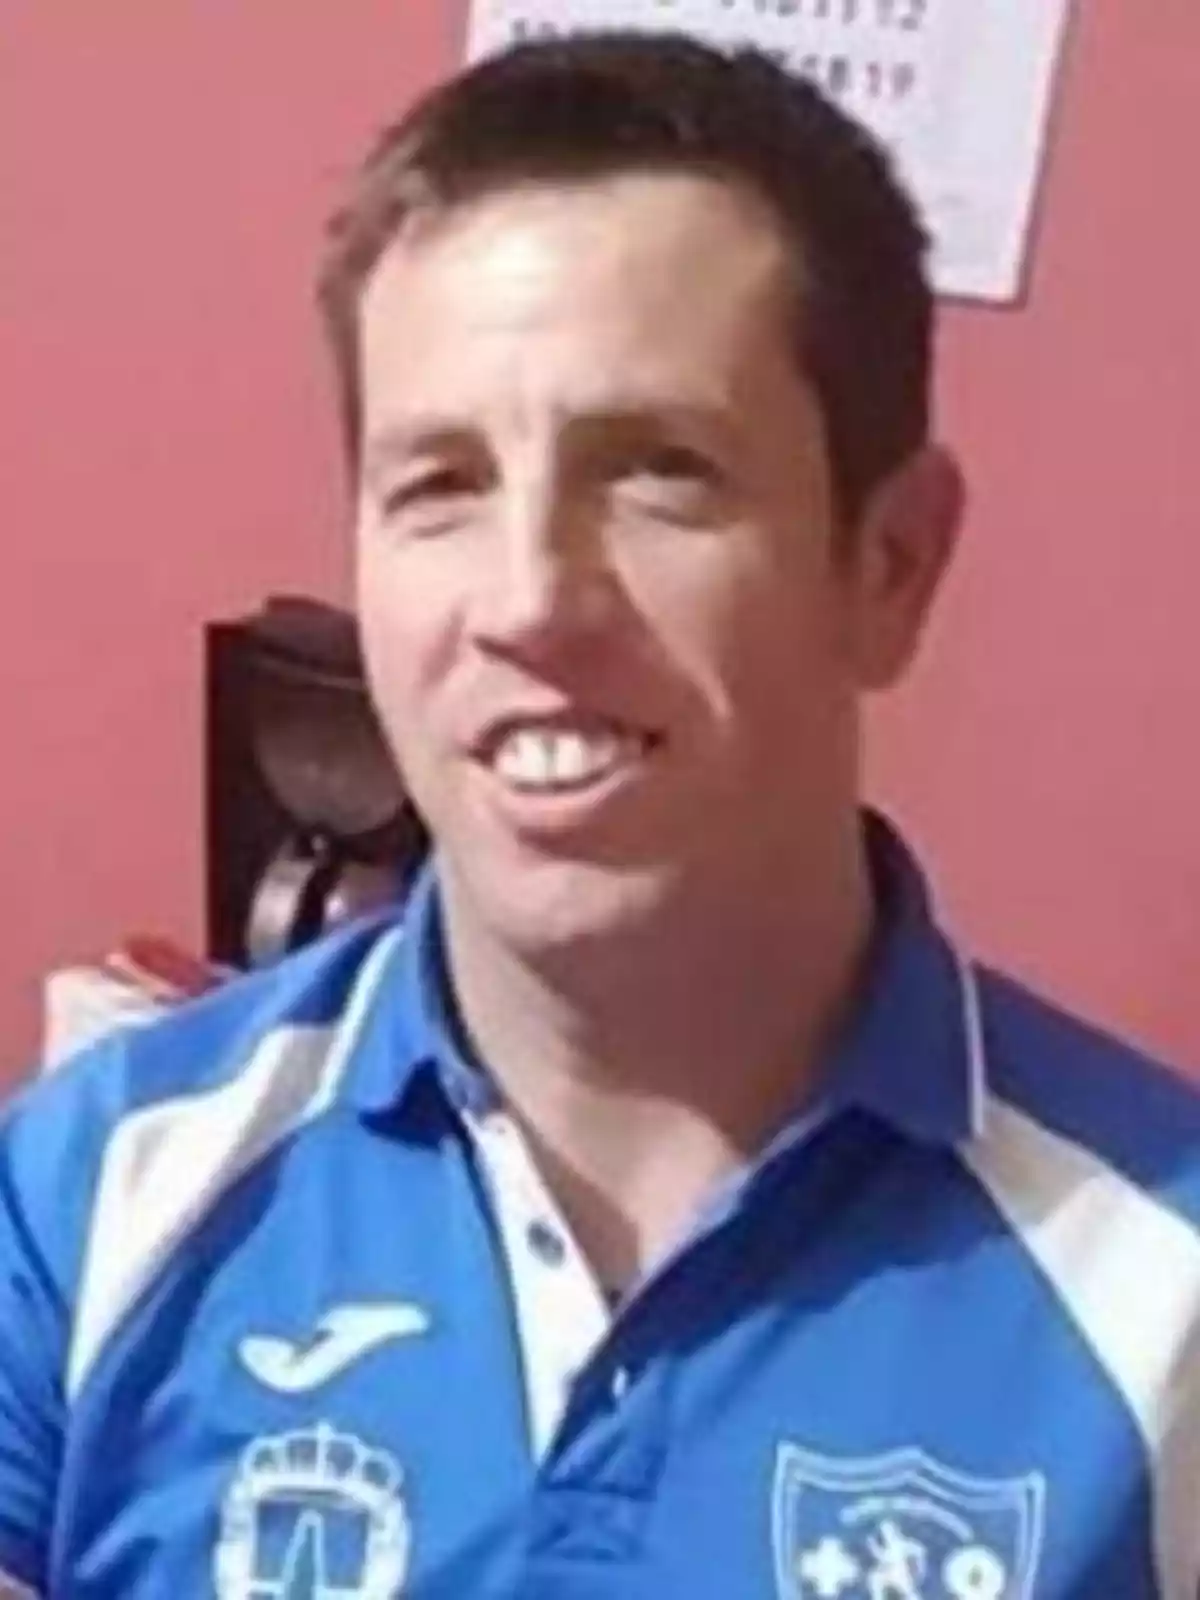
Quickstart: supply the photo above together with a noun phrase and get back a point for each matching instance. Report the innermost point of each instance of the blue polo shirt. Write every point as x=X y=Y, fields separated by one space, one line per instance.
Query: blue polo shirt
x=288 y=1313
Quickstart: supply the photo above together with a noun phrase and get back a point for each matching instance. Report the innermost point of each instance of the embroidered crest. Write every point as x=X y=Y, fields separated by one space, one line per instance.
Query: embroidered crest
x=313 y=1515
x=901 y=1526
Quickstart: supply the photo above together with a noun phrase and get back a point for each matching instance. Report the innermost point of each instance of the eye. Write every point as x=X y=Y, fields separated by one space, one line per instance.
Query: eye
x=672 y=481
x=433 y=488
x=673 y=463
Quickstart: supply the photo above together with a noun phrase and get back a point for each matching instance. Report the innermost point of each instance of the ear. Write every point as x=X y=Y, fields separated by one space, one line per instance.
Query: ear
x=905 y=540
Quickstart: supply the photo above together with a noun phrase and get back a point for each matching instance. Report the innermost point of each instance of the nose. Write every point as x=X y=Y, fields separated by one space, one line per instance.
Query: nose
x=550 y=585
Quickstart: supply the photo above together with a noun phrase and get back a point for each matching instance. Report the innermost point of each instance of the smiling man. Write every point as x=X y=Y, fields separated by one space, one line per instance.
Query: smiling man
x=659 y=1204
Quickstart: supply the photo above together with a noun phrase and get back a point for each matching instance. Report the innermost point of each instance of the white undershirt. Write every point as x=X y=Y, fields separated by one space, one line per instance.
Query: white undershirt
x=561 y=1313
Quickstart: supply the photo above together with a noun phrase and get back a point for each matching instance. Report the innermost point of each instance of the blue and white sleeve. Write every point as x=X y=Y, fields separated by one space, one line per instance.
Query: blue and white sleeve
x=35 y=1203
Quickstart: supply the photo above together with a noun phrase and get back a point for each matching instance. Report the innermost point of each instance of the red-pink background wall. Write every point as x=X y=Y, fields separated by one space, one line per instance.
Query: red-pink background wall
x=167 y=455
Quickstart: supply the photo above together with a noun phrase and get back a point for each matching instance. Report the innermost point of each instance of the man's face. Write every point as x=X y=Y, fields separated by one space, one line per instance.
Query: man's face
x=607 y=628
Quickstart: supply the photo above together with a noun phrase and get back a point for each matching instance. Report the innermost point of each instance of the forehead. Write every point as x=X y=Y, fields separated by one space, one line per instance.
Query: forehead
x=669 y=280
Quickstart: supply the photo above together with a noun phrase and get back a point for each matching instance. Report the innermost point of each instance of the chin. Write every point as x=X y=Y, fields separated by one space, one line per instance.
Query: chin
x=555 y=906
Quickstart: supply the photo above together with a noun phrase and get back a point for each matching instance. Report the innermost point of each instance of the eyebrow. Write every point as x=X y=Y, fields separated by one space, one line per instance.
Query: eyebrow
x=398 y=441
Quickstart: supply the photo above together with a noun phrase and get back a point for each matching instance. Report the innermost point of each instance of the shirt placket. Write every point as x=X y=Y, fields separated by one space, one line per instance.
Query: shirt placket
x=561 y=1314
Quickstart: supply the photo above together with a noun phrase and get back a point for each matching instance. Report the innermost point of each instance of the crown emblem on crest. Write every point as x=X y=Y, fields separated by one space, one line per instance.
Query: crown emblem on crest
x=318 y=1461
x=306 y=1505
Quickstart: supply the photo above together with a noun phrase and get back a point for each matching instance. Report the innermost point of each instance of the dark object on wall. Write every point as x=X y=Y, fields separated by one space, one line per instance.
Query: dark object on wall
x=307 y=821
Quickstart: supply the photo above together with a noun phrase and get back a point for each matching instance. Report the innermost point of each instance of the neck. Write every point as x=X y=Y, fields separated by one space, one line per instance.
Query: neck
x=646 y=1070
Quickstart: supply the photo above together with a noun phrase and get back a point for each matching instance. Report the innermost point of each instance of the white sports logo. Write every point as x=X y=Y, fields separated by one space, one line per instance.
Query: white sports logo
x=313 y=1515
x=342 y=1337
x=902 y=1526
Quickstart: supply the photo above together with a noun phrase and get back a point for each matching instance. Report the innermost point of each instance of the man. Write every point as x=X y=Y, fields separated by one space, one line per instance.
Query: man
x=661 y=1205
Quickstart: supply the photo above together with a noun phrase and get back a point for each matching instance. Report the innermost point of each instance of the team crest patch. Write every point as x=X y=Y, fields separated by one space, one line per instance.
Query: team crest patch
x=313 y=1515
x=901 y=1526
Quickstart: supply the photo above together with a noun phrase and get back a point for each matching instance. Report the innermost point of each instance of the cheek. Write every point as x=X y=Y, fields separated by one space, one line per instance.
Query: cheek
x=757 y=638
x=407 y=646
x=788 y=682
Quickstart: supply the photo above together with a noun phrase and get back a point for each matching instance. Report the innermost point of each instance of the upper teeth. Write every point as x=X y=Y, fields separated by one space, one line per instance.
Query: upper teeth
x=538 y=758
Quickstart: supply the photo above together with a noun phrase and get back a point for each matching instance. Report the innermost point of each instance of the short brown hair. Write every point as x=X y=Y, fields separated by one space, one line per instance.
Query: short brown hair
x=589 y=106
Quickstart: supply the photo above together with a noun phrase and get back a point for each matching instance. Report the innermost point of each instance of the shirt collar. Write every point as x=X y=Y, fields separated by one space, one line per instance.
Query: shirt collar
x=412 y=1031
x=911 y=1051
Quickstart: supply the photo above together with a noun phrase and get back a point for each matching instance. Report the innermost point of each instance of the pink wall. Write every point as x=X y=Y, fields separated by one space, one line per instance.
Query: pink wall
x=168 y=456
x=1045 y=749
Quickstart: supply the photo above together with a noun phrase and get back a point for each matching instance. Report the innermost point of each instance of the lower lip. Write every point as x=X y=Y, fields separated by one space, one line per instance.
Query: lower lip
x=558 y=812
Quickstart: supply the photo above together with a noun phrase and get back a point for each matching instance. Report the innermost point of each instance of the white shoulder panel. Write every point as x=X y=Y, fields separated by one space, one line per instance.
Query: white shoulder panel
x=166 y=1166
x=1127 y=1271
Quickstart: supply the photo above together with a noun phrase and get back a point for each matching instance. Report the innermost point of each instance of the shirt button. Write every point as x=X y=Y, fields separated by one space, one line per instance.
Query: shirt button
x=546 y=1243
x=619 y=1386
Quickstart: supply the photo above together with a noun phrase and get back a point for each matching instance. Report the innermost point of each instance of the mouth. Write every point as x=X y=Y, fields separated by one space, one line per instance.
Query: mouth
x=564 y=756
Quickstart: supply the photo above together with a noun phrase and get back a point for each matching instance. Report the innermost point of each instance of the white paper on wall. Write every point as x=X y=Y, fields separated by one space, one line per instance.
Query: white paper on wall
x=959 y=90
